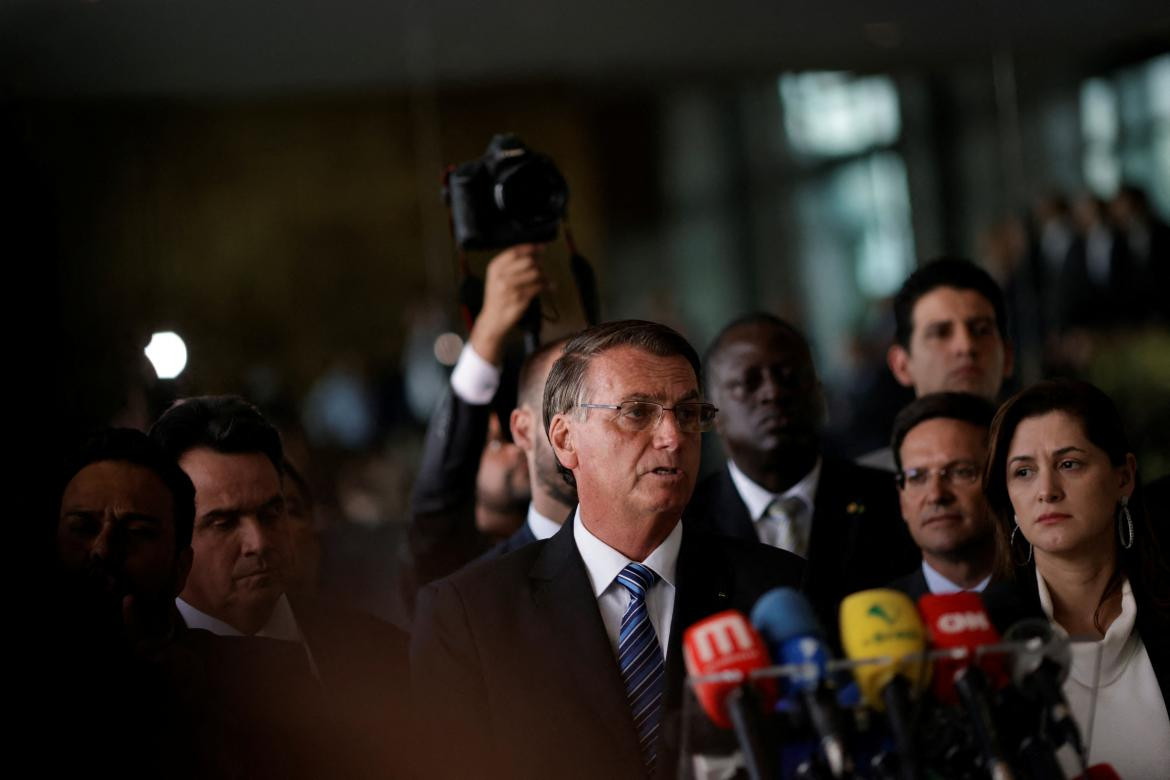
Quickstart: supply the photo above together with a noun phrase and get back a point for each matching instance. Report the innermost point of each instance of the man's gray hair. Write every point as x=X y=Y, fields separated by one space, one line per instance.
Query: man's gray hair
x=565 y=385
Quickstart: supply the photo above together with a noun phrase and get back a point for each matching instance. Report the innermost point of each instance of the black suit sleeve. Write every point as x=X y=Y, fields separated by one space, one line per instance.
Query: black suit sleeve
x=443 y=537
x=448 y=686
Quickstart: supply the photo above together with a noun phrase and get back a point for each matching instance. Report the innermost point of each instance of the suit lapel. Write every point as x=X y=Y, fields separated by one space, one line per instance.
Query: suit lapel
x=733 y=519
x=577 y=639
x=832 y=535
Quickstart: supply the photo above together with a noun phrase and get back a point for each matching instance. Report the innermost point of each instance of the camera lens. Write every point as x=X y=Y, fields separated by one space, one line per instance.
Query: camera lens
x=532 y=193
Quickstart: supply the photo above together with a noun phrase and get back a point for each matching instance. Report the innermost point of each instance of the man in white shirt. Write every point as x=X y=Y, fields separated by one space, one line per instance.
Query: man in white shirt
x=940 y=445
x=563 y=658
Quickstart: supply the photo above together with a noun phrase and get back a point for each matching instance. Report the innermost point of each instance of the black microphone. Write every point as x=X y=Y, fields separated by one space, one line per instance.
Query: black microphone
x=1039 y=668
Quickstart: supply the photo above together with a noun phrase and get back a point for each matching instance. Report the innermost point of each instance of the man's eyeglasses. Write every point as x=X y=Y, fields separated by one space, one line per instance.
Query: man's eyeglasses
x=961 y=473
x=692 y=417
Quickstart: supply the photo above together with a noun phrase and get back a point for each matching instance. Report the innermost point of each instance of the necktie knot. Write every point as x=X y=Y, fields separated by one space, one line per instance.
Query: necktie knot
x=637 y=579
x=789 y=507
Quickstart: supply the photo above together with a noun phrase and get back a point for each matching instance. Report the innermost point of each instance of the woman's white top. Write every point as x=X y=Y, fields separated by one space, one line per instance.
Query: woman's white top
x=1130 y=726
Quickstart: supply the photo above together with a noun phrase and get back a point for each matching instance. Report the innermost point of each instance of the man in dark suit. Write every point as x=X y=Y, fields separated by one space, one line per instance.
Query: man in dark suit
x=940 y=444
x=353 y=663
x=950 y=335
x=563 y=658
x=444 y=534
x=777 y=486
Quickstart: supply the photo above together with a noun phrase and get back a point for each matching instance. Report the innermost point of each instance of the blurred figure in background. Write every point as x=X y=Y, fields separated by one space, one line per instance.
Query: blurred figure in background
x=451 y=527
x=950 y=336
x=306 y=542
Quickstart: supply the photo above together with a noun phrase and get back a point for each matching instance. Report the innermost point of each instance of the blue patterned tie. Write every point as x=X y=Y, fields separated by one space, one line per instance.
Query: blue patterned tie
x=640 y=658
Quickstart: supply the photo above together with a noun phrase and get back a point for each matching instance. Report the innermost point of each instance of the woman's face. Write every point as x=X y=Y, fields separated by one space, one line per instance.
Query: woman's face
x=1063 y=488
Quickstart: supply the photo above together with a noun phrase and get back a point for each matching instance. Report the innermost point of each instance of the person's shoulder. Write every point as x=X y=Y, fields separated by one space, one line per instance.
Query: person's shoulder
x=743 y=555
x=842 y=469
x=491 y=572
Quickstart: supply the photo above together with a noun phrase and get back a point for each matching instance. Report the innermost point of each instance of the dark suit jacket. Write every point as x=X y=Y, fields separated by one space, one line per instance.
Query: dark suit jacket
x=913 y=585
x=443 y=537
x=516 y=678
x=352 y=719
x=857 y=538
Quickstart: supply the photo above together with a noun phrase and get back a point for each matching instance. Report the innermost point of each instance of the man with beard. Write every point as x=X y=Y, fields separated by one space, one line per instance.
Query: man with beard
x=778 y=487
x=445 y=533
x=940 y=444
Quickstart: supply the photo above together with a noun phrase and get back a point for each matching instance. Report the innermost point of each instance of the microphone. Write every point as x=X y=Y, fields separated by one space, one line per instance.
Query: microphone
x=726 y=642
x=786 y=621
x=1099 y=772
x=1040 y=668
x=882 y=627
x=959 y=621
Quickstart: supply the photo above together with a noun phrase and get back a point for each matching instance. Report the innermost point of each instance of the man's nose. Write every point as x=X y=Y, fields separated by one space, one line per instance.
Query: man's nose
x=107 y=545
x=667 y=433
x=963 y=340
x=938 y=490
x=256 y=537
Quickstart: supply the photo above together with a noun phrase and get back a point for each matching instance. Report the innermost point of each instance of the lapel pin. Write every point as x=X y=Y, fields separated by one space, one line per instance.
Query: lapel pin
x=855 y=508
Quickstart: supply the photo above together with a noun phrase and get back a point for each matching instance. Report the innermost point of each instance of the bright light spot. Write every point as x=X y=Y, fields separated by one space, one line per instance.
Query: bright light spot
x=447 y=348
x=167 y=353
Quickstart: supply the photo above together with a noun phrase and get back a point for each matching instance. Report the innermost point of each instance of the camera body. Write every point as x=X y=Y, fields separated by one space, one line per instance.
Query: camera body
x=509 y=196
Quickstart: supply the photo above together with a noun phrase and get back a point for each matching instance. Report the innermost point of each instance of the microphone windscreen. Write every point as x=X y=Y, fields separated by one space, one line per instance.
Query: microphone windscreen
x=882 y=625
x=723 y=642
x=784 y=613
x=959 y=621
x=1036 y=642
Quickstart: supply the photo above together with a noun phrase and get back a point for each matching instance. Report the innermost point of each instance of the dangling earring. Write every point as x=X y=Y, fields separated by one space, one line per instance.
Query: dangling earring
x=1125 y=524
x=1012 y=545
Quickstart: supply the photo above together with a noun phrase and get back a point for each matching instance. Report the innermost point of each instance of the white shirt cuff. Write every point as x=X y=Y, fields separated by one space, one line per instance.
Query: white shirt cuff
x=474 y=380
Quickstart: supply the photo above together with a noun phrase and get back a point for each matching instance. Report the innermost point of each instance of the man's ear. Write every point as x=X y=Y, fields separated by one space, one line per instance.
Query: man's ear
x=182 y=569
x=521 y=424
x=560 y=436
x=898 y=359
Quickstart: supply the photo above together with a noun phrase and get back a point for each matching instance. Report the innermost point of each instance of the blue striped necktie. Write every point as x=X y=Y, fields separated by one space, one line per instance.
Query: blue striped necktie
x=640 y=659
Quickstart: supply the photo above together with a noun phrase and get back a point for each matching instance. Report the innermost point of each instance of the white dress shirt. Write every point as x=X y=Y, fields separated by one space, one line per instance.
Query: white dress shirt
x=603 y=564
x=757 y=499
x=474 y=379
x=540 y=526
x=1130 y=727
x=937 y=583
x=281 y=623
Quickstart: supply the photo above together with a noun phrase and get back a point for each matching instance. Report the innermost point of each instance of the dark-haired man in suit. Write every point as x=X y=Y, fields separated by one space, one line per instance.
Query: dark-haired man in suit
x=939 y=445
x=778 y=487
x=354 y=664
x=519 y=663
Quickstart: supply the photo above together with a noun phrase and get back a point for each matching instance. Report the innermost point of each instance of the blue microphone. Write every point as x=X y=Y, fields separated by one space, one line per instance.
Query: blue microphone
x=786 y=621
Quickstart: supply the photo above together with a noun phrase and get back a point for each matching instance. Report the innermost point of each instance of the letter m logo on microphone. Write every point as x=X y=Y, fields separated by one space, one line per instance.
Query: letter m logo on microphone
x=725 y=634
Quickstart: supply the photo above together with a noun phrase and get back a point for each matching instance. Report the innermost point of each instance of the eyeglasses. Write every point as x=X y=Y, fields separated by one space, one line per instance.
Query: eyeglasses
x=692 y=417
x=961 y=473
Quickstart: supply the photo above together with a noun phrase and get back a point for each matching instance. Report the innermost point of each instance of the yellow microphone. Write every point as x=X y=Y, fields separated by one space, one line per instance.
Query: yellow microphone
x=882 y=629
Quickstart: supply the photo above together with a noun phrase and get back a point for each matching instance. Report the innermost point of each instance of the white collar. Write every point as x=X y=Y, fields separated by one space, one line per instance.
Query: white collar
x=281 y=623
x=603 y=563
x=937 y=583
x=541 y=526
x=757 y=498
x=1116 y=647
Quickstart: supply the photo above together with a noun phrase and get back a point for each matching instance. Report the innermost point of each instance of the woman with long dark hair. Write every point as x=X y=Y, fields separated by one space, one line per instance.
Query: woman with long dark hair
x=1073 y=535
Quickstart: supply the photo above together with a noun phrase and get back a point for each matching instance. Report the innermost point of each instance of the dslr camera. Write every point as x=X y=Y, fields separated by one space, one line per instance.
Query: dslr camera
x=509 y=196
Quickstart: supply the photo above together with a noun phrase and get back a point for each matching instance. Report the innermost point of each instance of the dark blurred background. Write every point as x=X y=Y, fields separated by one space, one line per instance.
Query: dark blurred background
x=263 y=180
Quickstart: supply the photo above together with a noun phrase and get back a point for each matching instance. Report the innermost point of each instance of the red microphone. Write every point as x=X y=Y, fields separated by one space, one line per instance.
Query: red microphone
x=726 y=642
x=1100 y=772
x=959 y=620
